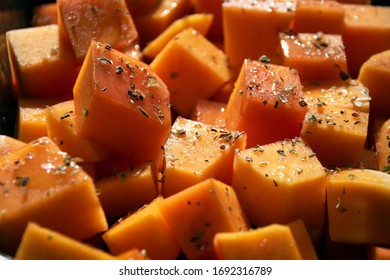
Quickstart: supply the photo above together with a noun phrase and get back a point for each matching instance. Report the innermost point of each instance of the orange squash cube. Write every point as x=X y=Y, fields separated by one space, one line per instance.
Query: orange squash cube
x=122 y=104
x=107 y=21
x=61 y=129
x=358 y=206
x=144 y=230
x=197 y=213
x=316 y=56
x=187 y=53
x=195 y=152
x=42 y=184
x=34 y=54
x=272 y=242
x=40 y=243
x=250 y=28
x=280 y=183
x=266 y=103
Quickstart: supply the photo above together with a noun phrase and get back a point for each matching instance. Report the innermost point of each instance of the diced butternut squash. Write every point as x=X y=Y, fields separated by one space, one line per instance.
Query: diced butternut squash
x=31 y=121
x=39 y=243
x=61 y=129
x=197 y=213
x=382 y=146
x=153 y=22
x=358 y=206
x=349 y=94
x=40 y=183
x=366 y=32
x=375 y=75
x=9 y=144
x=128 y=190
x=195 y=152
x=38 y=68
x=266 y=103
x=209 y=112
x=279 y=183
x=336 y=135
x=213 y=7
x=316 y=56
x=272 y=242
x=250 y=28
x=108 y=21
x=187 y=53
x=312 y=16
x=45 y=14
x=199 y=22
x=122 y=104
x=144 y=230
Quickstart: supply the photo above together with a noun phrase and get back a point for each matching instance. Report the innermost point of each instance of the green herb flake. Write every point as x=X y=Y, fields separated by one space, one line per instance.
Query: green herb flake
x=143 y=111
x=344 y=75
x=339 y=206
x=264 y=59
x=386 y=168
x=281 y=152
x=105 y=60
x=197 y=237
x=85 y=112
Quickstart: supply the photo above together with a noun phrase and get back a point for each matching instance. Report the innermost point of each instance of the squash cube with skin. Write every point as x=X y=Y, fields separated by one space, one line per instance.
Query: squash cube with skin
x=155 y=20
x=366 y=32
x=195 y=152
x=145 y=230
x=272 y=242
x=280 y=183
x=199 y=22
x=189 y=54
x=266 y=103
x=38 y=68
x=316 y=56
x=358 y=206
x=61 y=129
x=42 y=184
x=197 y=213
x=312 y=16
x=128 y=190
x=31 y=121
x=375 y=75
x=350 y=94
x=382 y=146
x=39 y=243
x=107 y=21
x=336 y=135
x=250 y=28
x=121 y=104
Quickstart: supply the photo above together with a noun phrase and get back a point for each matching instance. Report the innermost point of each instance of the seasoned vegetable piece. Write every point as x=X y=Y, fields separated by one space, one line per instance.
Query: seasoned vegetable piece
x=39 y=243
x=358 y=206
x=197 y=213
x=375 y=75
x=316 y=56
x=61 y=129
x=45 y=14
x=336 y=135
x=42 y=184
x=31 y=120
x=199 y=22
x=366 y=32
x=312 y=16
x=108 y=21
x=281 y=182
x=122 y=104
x=272 y=242
x=189 y=55
x=9 y=144
x=382 y=146
x=267 y=103
x=249 y=28
x=209 y=112
x=348 y=94
x=34 y=55
x=195 y=152
x=155 y=20
x=128 y=190
x=144 y=230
